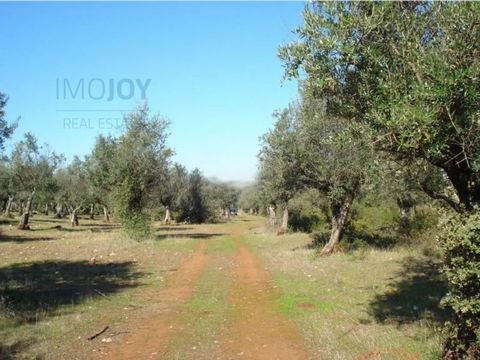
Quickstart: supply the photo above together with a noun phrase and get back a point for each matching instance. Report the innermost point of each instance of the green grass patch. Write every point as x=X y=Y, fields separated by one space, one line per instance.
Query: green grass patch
x=299 y=304
x=300 y=297
x=204 y=318
x=346 y=308
x=224 y=244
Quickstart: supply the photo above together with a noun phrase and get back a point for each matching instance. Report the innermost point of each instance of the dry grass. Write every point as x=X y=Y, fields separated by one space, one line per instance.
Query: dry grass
x=373 y=305
x=59 y=286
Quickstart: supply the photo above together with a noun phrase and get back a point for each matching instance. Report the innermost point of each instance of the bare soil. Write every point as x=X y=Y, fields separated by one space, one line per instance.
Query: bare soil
x=256 y=330
x=150 y=332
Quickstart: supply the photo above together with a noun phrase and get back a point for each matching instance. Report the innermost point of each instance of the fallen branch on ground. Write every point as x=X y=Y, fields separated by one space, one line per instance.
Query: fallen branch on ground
x=98 y=333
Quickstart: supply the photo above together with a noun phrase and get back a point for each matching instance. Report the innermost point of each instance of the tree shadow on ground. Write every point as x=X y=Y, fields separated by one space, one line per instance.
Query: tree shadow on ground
x=22 y=239
x=318 y=241
x=30 y=292
x=8 y=221
x=10 y=352
x=378 y=239
x=100 y=225
x=174 y=228
x=81 y=227
x=414 y=295
x=34 y=219
x=188 y=236
x=352 y=239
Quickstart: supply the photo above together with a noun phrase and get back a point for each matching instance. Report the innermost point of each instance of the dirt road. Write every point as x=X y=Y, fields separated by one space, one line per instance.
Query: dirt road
x=255 y=330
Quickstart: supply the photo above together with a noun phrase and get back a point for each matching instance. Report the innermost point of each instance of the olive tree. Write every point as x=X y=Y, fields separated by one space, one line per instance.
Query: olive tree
x=140 y=164
x=173 y=190
x=99 y=166
x=251 y=199
x=32 y=169
x=409 y=71
x=224 y=196
x=280 y=162
x=6 y=129
x=336 y=161
x=7 y=189
x=194 y=204
x=73 y=188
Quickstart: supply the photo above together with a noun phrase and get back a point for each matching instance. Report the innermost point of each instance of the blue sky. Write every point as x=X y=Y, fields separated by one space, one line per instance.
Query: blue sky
x=213 y=67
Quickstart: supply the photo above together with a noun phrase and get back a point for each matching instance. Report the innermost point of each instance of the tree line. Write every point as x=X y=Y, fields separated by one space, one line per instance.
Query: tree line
x=131 y=177
x=389 y=100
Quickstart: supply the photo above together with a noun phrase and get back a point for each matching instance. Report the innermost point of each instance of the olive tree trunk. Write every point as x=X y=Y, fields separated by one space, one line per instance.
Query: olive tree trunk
x=106 y=215
x=59 y=211
x=404 y=208
x=340 y=212
x=168 y=216
x=284 y=225
x=74 y=217
x=9 y=205
x=272 y=215
x=92 y=211
x=23 y=224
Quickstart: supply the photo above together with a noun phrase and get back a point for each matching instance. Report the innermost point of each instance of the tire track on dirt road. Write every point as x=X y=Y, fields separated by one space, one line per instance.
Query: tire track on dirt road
x=149 y=335
x=257 y=331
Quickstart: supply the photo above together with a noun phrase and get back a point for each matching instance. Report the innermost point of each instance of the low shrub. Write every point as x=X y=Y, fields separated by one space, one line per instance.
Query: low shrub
x=460 y=240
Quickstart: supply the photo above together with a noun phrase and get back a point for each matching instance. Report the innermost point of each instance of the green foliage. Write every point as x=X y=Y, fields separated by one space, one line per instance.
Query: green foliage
x=6 y=179
x=375 y=217
x=32 y=167
x=409 y=71
x=421 y=220
x=280 y=159
x=99 y=166
x=461 y=243
x=222 y=195
x=175 y=187
x=408 y=74
x=252 y=199
x=136 y=225
x=6 y=129
x=73 y=185
x=308 y=211
x=140 y=164
x=194 y=207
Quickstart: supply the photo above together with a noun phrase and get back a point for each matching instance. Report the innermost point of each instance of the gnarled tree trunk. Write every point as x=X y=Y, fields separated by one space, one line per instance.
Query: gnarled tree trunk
x=272 y=215
x=59 y=211
x=74 y=217
x=9 y=205
x=168 y=216
x=106 y=215
x=340 y=212
x=284 y=225
x=23 y=224
x=92 y=211
x=226 y=212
